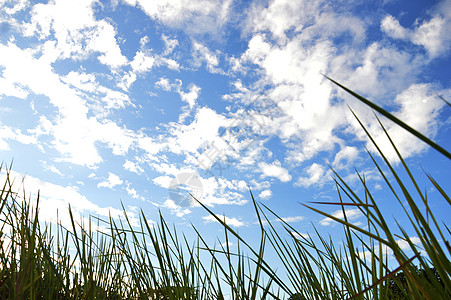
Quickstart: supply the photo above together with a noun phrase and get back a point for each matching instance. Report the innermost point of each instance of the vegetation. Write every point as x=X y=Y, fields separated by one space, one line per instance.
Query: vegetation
x=48 y=261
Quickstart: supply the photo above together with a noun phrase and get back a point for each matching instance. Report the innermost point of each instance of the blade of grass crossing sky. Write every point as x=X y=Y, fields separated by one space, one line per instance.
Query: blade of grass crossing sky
x=421 y=221
x=394 y=119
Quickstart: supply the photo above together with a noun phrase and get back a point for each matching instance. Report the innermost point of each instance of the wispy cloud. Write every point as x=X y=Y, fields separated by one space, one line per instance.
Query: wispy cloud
x=351 y=215
x=112 y=181
x=294 y=219
x=229 y=221
x=274 y=170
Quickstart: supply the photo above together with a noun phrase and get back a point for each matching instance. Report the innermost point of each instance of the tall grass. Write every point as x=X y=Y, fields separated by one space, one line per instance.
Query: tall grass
x=153 y=261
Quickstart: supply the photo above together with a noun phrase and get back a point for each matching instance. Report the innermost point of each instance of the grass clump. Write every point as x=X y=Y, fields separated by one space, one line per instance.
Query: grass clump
x=152 y=261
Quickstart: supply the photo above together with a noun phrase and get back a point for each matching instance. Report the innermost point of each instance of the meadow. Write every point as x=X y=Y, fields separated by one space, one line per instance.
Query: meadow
x=41 y=260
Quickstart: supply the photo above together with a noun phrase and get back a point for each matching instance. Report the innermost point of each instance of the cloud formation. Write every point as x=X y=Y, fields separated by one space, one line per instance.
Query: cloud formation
x=252 y=102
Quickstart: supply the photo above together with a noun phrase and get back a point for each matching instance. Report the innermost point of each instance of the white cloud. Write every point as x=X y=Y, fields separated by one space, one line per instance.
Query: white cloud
x=345 y=157
x=221 y=192
x=204 y=129
x=351 y=215
x=291 y=52
x=301 y=94
x=75 y=134
x=164 y=84
x=73 y=25
x=12 y=7
x=239 y=185
x=163 y=181
x=170 y=44
x=214 y=191
x=111 y=182
x=378 y=71
x=419 y=107
x=281 y=16
x=176 y=209
x=294 y=219
x=51 y=168
x=8 y=88
x=266 y=194
x=7 y=133
x=194 y=16
x=132 y=167
x=82 y=81
x=393 y=29
x=202 y=54
x=132 y=192
x=274 y=170
x=229 y=221
x=316 y=176
x=102 y=99
x=142 y=62
x=103 y=40
x=145 y=60
x=313 y=18
x=189 y=97
x=432 y=34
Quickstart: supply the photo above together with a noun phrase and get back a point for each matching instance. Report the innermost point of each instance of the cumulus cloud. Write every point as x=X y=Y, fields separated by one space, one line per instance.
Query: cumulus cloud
x=75 y=134
x=221 y=192
x=112 y=181
x=142 y=62
x=351 y=215
x=345 y=157
x=311 y=17
x=392 y=28
x=419 y=107
x=73 y=25
x=202 y=131
x=132 y=167
x=274 y=170
x=163 y=181
x=432 y=34
x=194 y=16
x=266 y=194
x=290 y=53
x=317 y=175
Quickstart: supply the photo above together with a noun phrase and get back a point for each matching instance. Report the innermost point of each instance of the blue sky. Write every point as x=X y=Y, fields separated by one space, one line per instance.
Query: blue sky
x=103 y=102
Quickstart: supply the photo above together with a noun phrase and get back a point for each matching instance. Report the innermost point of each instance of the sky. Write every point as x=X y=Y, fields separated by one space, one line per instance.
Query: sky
x=106 y=105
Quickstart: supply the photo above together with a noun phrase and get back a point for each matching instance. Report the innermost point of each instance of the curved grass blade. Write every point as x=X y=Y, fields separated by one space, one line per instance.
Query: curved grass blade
x=395 y=120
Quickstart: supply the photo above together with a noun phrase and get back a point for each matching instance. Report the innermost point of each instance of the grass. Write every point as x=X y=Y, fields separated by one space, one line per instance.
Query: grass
x=153 y=261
